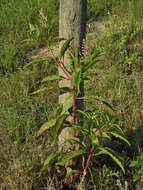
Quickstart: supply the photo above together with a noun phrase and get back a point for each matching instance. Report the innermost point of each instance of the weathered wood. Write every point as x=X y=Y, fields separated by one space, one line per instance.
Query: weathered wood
x=72 y=23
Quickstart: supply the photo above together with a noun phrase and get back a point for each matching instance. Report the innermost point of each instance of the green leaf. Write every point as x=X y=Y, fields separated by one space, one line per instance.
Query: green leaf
x=42 y=90
x=31 y=27
x=77 y=80
x=84 y=114
x=90 y=63
x=105 y=135
x=78 y=141
x=34 y=62
x=70 y=172
x=45 y=90
x=113 y=155
x=75 y=61
x=45 y=127
x=29 y=40
x=51 y=158
x=94 y=139
x=136 y=177
x=37 y=31
x=117 y=132
x=100 y=99
x=69 y=156
x=65 y=47
x=57 y=127
x=81 y=129
x=67 y=104
x=121 y=137
x=65 y=90
x=134 y=164
x=52 y=78
x=116 y=128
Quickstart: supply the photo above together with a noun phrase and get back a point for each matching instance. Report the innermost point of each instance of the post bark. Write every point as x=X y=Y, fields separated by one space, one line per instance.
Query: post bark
x=72 y=24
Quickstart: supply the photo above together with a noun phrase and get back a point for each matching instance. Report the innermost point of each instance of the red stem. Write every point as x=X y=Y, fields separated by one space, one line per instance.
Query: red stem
x=90 y=155
x=61 y=65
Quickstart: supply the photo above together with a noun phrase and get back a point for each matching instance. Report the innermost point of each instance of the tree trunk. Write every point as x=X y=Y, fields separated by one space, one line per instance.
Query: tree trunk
x=72 y=24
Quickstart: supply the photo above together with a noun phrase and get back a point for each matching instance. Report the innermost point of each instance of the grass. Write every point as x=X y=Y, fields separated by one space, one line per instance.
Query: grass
x=15 y=17
x=21 y=154
x=118 y=78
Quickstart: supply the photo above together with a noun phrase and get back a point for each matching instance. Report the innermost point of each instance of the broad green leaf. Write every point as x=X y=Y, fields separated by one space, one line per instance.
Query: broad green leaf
x=77 y=80
x=69 y=156
x=113 y=155
x=67 y=104
x=51 y=158
x=45 y=127
x=57 y=127
x=45 y=90
x=75 y=61
x=65 y=47
x=52 y=78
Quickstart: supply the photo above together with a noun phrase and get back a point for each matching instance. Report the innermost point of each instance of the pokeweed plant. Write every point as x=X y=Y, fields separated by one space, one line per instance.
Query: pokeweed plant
x=96 y=127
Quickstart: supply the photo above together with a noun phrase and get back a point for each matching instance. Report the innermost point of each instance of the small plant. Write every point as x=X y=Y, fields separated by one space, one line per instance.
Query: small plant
x=40 y=32
x=89 y=139
x=123 y=44
x=137 y=169
x=106 y=178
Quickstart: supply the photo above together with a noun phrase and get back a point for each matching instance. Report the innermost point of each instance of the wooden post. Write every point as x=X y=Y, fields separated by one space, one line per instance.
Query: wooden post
x=72 y=24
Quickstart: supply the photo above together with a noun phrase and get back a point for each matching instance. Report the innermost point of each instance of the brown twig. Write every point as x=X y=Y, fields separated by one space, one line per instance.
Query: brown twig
x=61 y=65
x=87 y=164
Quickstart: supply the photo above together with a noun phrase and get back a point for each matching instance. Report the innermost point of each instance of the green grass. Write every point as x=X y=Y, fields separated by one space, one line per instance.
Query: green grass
x=15 y=17
x=130 y=8
x=118 y=78
x=20 y=112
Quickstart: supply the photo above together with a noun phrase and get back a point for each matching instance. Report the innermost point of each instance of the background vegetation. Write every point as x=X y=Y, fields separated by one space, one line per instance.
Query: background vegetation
x=115 y=29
